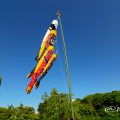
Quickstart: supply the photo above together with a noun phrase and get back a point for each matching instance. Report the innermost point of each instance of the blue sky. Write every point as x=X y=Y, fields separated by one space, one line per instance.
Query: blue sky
x=92 y=34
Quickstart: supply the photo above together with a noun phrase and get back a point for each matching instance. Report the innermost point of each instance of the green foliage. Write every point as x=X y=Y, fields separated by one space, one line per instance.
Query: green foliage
x=57 y=107
x=18 y=113
x=92 y=107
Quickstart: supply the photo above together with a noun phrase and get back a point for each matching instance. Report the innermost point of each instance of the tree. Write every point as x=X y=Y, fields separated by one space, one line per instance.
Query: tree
x=54 y=92
x=44 y=96
x=55 y=107
x=18 y=113
x=92 y=107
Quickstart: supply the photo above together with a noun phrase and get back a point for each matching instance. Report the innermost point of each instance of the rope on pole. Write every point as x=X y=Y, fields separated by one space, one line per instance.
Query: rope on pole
x=66 y=61
x=63 y=75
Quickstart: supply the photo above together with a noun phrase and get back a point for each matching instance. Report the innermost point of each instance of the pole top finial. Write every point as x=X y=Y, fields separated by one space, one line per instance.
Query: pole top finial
x=58 y=13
